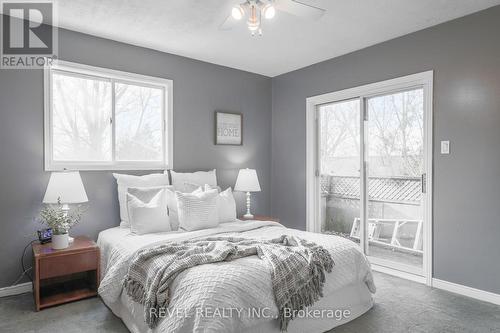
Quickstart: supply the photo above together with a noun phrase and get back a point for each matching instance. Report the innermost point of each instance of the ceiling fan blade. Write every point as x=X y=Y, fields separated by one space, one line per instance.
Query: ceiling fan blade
x=229 y=23
x=299 y=9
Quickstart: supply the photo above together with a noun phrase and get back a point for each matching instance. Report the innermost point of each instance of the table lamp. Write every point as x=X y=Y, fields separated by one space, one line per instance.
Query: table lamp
x=247 y=181
x=65 y=188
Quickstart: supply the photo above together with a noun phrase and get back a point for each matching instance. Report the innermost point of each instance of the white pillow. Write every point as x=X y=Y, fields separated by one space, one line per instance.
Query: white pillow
x=172 y=206
x=197 y=210
x=200 y=177
x=148 y=216
x=126 y=181
x=226 y=205
x=190 y=187
x=147 y=193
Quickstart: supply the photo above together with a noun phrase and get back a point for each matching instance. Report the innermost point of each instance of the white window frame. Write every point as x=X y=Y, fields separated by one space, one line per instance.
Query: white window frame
x=112 y=76
x=424 y=80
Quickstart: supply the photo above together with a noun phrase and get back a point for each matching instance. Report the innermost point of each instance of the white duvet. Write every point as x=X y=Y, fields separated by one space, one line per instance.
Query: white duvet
x=227 y=296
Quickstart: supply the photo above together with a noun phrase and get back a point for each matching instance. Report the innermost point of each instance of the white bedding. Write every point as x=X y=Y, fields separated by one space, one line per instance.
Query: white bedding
x=232 y=288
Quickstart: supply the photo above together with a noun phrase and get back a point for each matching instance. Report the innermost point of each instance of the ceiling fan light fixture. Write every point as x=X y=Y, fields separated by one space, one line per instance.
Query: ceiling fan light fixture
x=253 y=27
x=254 y=12
x=237 y=12
x=269 y=11
x=253 y=22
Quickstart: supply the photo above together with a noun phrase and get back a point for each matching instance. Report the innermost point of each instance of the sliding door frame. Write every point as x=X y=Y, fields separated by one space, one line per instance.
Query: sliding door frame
x=422 y=80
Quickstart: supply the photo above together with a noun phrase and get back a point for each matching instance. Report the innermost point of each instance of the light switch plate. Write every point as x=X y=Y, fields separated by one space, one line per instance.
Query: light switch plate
x=445 y=147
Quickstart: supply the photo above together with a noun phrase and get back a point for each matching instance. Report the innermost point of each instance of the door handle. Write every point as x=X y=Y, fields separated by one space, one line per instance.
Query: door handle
x=424 y=183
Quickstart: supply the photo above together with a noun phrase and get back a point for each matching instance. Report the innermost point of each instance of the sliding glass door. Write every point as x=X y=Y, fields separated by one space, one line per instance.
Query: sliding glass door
x=372 y=158
x=395 y=158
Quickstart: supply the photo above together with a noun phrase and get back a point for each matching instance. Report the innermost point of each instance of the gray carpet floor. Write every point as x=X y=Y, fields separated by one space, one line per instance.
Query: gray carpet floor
x=400 y=306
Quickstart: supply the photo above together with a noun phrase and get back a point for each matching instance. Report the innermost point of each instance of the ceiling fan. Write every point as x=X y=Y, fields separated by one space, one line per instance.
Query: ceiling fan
x=255 y=10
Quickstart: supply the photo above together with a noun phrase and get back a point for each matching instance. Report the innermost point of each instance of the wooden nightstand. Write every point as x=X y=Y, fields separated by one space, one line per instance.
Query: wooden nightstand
x=62 y=276
x=261 y=218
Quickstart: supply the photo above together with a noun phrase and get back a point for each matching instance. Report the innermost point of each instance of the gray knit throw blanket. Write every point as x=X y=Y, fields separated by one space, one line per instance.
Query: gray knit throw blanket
x=297 y=270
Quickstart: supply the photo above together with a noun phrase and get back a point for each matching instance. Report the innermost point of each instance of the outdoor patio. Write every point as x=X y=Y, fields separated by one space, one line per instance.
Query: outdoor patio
x=394 y=215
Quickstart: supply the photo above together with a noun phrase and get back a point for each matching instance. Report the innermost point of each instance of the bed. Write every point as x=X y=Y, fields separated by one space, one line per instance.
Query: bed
x=235 y=296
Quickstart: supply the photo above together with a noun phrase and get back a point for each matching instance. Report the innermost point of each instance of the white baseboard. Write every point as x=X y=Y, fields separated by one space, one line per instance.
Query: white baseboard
x=481 y=295
x=16 y=290
x=467 y=291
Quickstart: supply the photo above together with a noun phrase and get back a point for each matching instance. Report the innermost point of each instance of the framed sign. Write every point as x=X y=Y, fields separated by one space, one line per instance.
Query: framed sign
x=228 y=128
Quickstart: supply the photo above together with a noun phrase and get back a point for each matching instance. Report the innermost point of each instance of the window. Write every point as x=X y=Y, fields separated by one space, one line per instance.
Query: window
x=100 y=119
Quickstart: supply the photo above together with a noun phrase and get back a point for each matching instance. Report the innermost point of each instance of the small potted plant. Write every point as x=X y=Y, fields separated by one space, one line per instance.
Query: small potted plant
x=60 y=221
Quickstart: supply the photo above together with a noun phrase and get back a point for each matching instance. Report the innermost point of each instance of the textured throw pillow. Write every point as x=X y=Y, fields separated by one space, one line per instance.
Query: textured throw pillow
x=226 y=205
x=172 y=206
x=148 y=216
x=200 y=177
x=126 y=181
x=197 y=210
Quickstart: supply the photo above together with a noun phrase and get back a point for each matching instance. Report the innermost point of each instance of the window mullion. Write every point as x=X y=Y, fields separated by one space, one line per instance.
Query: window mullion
x=164 y=127
x=113 y=122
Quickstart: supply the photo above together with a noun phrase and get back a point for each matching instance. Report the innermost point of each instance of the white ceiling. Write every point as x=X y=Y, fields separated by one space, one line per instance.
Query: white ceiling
x=191 y=28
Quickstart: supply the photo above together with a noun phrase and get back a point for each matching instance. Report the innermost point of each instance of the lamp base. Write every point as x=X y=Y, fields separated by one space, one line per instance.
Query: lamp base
x=248 y=215
x=65 y=208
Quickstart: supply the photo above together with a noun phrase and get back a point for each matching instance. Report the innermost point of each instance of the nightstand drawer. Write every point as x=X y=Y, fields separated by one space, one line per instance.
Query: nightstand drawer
x=68 y=264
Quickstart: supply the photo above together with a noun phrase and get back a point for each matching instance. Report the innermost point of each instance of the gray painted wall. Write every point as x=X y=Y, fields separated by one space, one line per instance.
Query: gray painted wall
x=465 y=55
x=199 y=89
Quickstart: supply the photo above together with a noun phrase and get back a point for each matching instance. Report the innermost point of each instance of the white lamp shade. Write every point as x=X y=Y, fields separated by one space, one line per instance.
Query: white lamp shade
x=247 y=181
x=66 y=188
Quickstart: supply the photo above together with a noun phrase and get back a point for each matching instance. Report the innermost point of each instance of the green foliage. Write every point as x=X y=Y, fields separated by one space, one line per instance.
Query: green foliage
x=56 y=218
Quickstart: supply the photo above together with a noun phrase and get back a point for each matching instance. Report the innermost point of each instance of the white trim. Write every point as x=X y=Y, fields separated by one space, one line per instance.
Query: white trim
x=112 y=76
x=425 y=80
x=479 y=294
x=428 y=84
x=312 y=191
x=17 y=289
x=169 y=126
x=363 y=177
x=373 y=89
x=398 y=273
